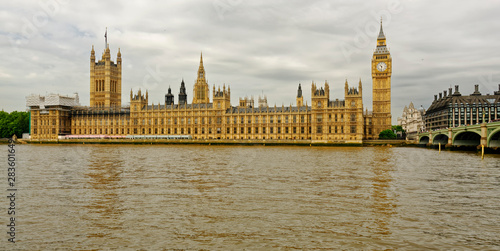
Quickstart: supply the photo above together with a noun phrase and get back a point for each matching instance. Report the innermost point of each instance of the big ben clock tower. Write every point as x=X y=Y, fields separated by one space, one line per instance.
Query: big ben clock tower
x=381 y=76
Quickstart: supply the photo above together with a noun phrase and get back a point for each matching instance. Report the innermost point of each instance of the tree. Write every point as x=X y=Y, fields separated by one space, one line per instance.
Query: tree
x=398 y=128
x=387 y=134
x=14 y=123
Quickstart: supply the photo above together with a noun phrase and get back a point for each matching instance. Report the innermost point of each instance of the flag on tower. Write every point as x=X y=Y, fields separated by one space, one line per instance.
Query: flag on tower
x=106 y=36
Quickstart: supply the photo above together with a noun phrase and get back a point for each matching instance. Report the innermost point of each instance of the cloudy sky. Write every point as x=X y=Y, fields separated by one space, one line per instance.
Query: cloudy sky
x=256 y=47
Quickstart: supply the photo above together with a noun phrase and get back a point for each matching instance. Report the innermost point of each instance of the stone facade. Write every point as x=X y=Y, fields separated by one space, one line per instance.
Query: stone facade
x=324 y=120
x=454 y=109
x=381 y=78
x=105 y=80
x=50 y=115
x=412 y=120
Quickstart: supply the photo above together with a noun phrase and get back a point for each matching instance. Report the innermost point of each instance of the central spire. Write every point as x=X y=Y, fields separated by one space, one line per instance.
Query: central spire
x=200 y=89
x=201 y=69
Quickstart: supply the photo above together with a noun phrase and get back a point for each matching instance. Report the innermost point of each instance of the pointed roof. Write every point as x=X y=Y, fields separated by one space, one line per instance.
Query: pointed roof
x=201 y=68
x=381 y=33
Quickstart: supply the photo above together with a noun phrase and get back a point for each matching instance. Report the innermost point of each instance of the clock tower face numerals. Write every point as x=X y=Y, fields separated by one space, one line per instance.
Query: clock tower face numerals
x=381 y=67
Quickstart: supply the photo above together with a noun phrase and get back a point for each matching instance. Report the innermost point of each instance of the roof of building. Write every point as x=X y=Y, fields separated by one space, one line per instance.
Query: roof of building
x=456 y=99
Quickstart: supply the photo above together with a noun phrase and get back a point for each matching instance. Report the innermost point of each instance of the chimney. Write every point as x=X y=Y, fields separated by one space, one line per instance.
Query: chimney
x=435 y=97
x=444 y=94
x=457 y=93
x=498 y=92
x=440 y=95
x=476 y=91
x=450 y=91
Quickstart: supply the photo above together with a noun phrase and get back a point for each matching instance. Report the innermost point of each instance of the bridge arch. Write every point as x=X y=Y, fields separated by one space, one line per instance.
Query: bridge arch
x=494 y=138
x=467 y=138
x=424 y=140
x=440 y=138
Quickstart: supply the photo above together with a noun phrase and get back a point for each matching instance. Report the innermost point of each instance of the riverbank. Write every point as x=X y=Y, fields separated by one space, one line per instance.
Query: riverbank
x=387 y=143
x=254 y=142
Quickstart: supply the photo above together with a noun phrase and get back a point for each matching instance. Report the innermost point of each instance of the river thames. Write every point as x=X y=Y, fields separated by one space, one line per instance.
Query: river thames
x=127 y=197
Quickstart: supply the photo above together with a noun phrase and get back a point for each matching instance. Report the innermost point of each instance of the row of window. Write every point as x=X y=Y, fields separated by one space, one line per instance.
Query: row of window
x=229 y=130
x=99 y=86
x=218 y=120
x=49 y=122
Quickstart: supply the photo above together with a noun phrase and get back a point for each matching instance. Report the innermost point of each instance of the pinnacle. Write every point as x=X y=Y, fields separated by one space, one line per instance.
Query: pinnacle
x=381 y=34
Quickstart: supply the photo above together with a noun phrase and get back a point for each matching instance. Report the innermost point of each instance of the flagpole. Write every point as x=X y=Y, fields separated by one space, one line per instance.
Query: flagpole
x=106 y=39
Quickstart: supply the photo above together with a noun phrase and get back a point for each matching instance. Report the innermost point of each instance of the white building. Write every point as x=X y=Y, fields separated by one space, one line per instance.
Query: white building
x=412 y=120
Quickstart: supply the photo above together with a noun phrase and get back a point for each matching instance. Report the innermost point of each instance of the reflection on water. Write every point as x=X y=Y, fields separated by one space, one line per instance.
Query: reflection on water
x=216 y=197
x=104 y=209
x=383 y=205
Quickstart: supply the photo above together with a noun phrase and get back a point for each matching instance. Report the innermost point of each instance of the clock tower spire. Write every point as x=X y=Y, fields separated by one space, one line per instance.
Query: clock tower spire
x=381 y=77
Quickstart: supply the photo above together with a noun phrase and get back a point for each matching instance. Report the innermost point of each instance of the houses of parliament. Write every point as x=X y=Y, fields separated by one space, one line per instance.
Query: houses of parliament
x=213 y=116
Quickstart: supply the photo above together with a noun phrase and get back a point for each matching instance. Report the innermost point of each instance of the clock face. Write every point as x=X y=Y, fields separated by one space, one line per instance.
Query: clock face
x=381 y=66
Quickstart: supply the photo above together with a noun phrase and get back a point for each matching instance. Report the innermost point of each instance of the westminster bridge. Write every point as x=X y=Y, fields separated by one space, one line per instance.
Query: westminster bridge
x=487 y=134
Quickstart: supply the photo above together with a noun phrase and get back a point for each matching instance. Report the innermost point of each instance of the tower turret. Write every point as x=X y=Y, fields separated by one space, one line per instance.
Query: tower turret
x=105 y=80
x=169 y=97
x=221 y=99
x=182 y=94
x=300 y=98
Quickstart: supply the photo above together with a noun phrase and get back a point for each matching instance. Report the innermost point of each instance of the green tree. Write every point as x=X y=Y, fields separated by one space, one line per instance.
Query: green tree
x=14 y=123
x=398 y=128
x=387 y=134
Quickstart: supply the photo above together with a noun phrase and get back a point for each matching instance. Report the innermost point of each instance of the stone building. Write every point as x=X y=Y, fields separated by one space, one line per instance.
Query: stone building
x=412 y=120
x=325 y=120
x=51 y=115
x=453 y=109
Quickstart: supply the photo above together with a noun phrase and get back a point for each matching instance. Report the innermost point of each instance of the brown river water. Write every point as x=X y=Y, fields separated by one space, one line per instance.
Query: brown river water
x=127 y=197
